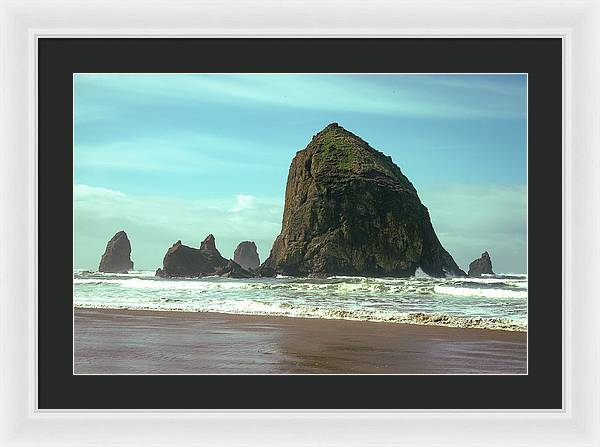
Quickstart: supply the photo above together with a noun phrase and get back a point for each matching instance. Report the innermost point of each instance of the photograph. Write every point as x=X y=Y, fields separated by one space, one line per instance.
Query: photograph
x=300 y=223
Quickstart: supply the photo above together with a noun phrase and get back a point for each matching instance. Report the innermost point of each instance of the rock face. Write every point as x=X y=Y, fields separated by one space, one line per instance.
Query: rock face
x=246 y=255
x=183 y=261
x=209 y=244
x=234 y=270
x=481 y=266
x=349 y=210
x=117 y=256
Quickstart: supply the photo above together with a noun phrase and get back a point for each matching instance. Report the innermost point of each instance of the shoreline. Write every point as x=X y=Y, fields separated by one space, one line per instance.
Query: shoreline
x=194 y=312
x=119 y=341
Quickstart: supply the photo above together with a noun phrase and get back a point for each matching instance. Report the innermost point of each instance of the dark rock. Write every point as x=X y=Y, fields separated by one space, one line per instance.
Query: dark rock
x=481 y=266
x=208 y=243
x=246 y=255
x=117 y=256
x=183 y=261
x=209 y=250
x=265 y=271
x=349 y=210
x=234 y=270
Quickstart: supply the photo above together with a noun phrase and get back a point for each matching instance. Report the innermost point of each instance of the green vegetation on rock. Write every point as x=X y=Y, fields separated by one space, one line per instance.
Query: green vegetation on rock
x=340 y=149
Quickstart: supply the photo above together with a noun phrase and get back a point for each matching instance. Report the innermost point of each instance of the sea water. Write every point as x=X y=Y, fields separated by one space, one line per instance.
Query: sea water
x=493 y=301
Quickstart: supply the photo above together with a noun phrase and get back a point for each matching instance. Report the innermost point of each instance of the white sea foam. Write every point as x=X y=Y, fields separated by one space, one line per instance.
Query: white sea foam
x=249 y=307
x=172 y=284
x=132 y=273
x=489 y=293
x=490 y=280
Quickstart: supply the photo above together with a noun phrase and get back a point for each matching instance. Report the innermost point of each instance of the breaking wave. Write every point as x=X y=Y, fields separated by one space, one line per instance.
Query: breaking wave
x=498 y=302
x=490 y=293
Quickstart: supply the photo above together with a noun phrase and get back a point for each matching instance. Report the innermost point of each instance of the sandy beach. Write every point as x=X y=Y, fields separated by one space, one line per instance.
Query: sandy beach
x=151 y=342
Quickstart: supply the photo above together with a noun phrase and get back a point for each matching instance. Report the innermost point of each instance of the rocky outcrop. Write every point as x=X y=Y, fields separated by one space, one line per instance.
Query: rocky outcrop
x=183 y=261
x=481 y=266
x=246 y=255
x=117 y=256
x=349 y=210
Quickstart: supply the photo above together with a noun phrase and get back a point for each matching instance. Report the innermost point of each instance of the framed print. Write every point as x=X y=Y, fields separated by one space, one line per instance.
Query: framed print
x=334 y=238
x=356 y=287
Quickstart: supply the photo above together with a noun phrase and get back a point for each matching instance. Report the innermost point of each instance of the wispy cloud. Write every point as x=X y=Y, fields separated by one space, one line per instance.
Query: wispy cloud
x=244 y=202
x=358 y=94
x=167 y=152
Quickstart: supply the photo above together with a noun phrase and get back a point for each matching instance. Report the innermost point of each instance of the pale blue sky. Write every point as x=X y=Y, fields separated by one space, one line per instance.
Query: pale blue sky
x=169 y=157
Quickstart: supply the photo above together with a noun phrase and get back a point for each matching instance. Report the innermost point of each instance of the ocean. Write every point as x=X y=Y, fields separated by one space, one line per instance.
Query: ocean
x=493 y=302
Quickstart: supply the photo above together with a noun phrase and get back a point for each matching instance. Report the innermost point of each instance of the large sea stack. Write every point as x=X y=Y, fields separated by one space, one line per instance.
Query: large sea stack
x=183 y=261
x=481 y=266
x=349 y=210
x=246 y=255
x=117 y=256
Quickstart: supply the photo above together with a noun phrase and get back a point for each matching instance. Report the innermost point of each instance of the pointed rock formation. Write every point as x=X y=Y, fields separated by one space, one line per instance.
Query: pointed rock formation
x=208 y=249
x=208 y=243
x=117 y=256
x=481 y=266
x=349 y=210
x=184 y=261
x=246 y=255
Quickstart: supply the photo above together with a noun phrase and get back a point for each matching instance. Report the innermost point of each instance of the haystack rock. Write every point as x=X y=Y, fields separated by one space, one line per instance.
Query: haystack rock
x=349 y=210
x=184 y=261
x=246 y=255
x=481 y=266
x=117 y=256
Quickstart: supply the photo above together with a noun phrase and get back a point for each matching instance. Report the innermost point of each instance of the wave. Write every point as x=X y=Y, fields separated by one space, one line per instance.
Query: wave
x=78 y=273
x=216 y=284
x=485 y=292
x=488 y=302
x=491 y=280
x=167 y=284
x=344 y=286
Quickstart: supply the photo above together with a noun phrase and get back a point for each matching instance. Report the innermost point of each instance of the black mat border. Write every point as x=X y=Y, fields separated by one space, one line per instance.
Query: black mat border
x=59 y=58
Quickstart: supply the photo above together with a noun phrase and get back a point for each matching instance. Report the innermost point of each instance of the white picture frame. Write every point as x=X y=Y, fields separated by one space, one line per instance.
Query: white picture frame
x=576 y=22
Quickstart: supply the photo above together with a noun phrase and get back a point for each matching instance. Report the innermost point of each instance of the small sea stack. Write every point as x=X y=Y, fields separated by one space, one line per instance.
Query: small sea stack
x=481 y=266
x=184 y=261
x=117 y=256
x=246 y=255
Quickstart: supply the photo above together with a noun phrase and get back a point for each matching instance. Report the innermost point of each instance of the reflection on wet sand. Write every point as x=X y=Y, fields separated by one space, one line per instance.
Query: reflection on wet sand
x=146 y=342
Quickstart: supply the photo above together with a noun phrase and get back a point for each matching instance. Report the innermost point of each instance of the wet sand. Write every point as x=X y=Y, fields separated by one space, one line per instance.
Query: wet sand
x=146 y=342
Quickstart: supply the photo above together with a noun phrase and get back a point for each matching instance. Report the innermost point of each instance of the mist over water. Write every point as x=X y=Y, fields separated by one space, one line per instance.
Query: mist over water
x=495 y=302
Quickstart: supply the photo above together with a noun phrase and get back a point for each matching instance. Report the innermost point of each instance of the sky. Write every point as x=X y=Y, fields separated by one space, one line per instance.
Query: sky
x=170 y=157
